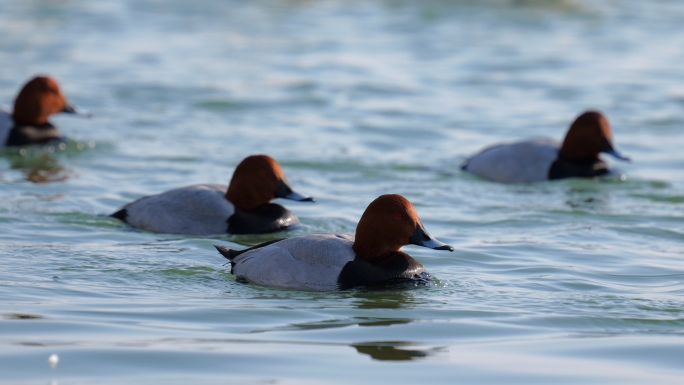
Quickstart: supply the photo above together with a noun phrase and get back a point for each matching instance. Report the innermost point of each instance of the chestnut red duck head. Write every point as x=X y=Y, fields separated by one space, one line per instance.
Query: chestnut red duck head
x=589 y=135
x=40 y=98
x=389 y=223
x=257 y=180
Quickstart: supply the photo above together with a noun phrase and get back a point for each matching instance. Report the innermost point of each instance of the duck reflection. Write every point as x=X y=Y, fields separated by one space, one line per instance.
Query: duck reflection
x=380 y=298
x=370 y=321
x=587 y=198
x=339 y=323
x=394 y=351
x=39 y=165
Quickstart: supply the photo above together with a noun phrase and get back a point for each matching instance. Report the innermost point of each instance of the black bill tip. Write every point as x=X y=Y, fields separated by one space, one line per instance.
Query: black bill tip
x=295 y=196
x=445 y=247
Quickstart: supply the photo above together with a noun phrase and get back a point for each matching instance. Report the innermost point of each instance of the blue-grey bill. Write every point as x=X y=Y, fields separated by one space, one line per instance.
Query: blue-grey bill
x=285 y=191
x=617 y=155
x=422 y=238
x=437 y=245
x=609 y=149
x=295 y=196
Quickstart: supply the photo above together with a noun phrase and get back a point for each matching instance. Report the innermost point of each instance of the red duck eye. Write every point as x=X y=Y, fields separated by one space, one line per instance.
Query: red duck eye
x=398 y=215
x=262 y=172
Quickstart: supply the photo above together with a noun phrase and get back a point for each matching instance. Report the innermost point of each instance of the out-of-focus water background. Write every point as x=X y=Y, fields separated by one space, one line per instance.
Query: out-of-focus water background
x=564 y=282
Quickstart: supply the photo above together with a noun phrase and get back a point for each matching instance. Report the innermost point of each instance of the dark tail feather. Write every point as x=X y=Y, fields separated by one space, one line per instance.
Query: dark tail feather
x=227 y=252
x=230 y=254
x=121 y=214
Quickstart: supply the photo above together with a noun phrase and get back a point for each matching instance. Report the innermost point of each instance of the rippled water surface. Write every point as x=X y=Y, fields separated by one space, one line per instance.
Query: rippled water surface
x=564 y=282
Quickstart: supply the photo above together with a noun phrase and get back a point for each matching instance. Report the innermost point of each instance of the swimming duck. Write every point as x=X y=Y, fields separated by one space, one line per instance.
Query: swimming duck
x=337 y=261
x=546 y=159
x=205 y=209
x=28 y=124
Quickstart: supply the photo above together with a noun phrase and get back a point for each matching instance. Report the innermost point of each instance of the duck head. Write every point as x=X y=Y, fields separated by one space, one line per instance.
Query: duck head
x=257 y=180
x=589 y=135
x=389 y=223
x=40 y=98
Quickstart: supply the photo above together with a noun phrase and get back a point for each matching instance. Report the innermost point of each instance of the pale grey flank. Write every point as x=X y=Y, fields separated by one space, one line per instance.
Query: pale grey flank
x=6 y=124
x=200 y=209
x=310 y=262
x=520 y=162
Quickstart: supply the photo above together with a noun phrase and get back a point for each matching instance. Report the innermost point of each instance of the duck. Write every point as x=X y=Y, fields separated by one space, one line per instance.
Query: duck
x=28 y=124
x=242 y=207
x=339 y=261
x=543 y=159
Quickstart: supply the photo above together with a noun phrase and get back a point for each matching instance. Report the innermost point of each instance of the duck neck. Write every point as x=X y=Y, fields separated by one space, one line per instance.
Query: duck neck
x=371 y=251
x=568 y=168
x=563 y=156
x=245 y=198
x=22 y=134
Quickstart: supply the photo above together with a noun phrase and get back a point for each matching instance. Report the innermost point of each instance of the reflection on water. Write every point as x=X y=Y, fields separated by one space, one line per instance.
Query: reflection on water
x=18 y=316
x=39 y=167
x=394 y=351
x=587 y=198
x=366 y=321
x=41 y=164
x=338 y=323
x=385 y=299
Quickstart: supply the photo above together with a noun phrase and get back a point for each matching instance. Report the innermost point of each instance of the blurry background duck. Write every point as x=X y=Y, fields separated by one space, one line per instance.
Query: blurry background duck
x=546 y=159
x=28 y=123
x=243 y=207
x=336 y=261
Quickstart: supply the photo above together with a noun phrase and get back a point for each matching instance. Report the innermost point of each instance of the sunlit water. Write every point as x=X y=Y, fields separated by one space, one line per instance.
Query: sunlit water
x=564 y=282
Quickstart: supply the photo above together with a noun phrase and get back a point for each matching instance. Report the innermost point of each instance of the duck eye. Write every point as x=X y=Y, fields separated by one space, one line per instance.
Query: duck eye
x=397 y=215
x=262 y=172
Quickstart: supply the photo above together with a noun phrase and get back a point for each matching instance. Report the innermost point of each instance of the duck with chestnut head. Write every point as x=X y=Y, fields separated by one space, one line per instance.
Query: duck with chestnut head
x=336 y=261
x=28 y=123
x=243 y=207
x=545 y=159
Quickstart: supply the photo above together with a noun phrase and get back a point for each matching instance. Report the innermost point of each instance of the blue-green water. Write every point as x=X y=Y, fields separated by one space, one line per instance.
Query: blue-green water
x=564 y=282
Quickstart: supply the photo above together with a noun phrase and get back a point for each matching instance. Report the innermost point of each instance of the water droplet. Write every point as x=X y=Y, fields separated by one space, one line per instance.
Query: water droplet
x=53 y=361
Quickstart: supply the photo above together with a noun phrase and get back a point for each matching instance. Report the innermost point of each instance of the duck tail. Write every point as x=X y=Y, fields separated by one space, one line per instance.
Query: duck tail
x=121 y=215
x=227 y=252
x=231 y=254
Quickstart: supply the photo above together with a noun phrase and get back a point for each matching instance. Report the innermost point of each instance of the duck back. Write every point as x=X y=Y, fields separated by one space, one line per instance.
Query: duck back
x=195 y=210
x=310 y=262
x=520 y=162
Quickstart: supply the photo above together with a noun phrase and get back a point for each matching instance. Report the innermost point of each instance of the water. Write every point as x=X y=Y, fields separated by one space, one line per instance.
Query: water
x=564 y=282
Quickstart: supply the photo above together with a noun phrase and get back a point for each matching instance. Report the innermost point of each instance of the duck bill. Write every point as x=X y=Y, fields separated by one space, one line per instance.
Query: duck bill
x=422 y=238
x=72 y=109
x=609 y=149
x=285 y=191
